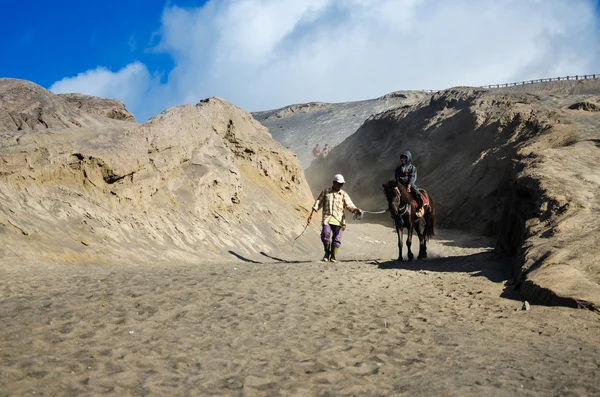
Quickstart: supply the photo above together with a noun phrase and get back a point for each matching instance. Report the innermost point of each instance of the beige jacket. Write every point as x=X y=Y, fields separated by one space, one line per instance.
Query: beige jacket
x=333 y=205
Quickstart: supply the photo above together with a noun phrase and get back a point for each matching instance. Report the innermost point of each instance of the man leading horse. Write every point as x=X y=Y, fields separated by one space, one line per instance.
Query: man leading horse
x=334 y=201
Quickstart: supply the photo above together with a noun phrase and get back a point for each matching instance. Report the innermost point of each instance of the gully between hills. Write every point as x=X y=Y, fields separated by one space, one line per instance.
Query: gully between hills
x=81 y=185
x=522 y=167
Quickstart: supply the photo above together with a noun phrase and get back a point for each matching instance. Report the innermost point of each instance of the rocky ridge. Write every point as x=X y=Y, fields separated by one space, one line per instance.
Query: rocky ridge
x=111 y=108
x=25 y=106
x=300 y=127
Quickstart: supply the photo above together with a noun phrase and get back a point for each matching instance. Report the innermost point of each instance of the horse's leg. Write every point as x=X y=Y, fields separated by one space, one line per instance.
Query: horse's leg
x=422 y=241
x=399 y=231
x=409 y=242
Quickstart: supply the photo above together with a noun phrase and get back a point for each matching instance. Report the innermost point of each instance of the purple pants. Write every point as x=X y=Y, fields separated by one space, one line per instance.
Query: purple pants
x=330 y=231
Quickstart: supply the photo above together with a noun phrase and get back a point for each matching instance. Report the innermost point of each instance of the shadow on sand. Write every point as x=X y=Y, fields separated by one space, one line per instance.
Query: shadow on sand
x=274 y=259
x=242 y=258
x=278 y=259
x=484 y=264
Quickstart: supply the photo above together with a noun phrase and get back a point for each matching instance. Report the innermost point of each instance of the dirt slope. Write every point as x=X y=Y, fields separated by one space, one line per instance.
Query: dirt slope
x=301 y=127
x=478 y=150
x=194 y=183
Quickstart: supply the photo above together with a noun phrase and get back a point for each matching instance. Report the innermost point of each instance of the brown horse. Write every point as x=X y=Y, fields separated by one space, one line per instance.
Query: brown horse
x=403 y=210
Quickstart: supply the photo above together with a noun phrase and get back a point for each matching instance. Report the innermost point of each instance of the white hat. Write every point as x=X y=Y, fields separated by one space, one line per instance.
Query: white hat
x=339 y=178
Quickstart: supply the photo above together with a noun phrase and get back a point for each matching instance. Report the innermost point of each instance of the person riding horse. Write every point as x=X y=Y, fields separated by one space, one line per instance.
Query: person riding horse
x=406 y=174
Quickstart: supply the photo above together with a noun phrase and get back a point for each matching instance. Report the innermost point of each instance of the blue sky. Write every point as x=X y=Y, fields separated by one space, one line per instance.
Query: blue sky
x=262 y=54
x=45 y=41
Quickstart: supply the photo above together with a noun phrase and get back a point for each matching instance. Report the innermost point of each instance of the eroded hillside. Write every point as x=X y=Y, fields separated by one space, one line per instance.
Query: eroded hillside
x=520 y=166
x=194 y=183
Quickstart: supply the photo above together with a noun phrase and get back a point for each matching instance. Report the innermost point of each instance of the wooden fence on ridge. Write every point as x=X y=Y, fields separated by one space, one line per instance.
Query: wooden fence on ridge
x=570 y=78
x=566 y=78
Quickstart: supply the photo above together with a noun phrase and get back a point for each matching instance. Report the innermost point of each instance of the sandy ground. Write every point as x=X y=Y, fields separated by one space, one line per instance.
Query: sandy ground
x=447 y=326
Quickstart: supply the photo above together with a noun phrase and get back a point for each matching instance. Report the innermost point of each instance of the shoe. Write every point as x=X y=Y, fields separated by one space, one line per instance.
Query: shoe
x=327 y=256
x=334 y=253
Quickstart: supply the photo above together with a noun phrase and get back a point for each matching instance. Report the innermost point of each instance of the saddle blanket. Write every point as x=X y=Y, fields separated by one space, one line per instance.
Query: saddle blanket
x=425 y=199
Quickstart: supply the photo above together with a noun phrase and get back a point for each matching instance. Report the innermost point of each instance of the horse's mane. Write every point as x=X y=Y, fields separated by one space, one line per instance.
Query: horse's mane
x=406 y=196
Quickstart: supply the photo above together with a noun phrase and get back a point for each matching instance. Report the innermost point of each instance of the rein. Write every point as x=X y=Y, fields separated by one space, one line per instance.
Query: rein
x=399 y=197
x=404 y=211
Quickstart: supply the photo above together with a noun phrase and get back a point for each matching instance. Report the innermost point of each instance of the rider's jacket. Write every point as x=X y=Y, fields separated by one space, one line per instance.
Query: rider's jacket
x=406 y=174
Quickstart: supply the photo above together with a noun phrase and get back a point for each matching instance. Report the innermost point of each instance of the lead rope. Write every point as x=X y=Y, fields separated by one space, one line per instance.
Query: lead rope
x=360 y=215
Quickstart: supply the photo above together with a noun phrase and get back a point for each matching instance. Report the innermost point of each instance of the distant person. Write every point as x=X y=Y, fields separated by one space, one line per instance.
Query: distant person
x=406 y=174
x=326 y=150
x=333 y=201
x=316 y=152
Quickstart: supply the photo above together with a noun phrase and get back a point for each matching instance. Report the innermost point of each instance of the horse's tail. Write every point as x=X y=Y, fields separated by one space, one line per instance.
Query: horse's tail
x=430 y=220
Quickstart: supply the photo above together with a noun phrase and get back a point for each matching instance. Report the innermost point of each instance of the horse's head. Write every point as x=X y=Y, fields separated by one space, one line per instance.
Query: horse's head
x=397 y=196
x=391 y=195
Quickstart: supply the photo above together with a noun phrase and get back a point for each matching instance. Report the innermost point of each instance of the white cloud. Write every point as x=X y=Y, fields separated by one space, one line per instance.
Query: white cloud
x=262 y=54
x=128 y=84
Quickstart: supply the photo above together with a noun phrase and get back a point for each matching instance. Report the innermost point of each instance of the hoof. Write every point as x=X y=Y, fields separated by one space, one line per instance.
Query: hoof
x=399 y=259
x=411 y=257
x=422 y=256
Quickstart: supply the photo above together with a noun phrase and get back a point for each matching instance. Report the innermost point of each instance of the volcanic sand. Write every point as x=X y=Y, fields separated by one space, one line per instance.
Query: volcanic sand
x=447 y=326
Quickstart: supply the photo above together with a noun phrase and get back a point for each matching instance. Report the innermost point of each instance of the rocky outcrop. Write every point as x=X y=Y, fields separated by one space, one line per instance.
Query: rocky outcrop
x=586 y=105
x=301 y=127
x=26 y=106
x=522 y=167
x=111 y=108
x=195 y=183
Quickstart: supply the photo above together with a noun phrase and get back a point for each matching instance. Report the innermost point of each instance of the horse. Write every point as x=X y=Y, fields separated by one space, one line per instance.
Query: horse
x=402 y=208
